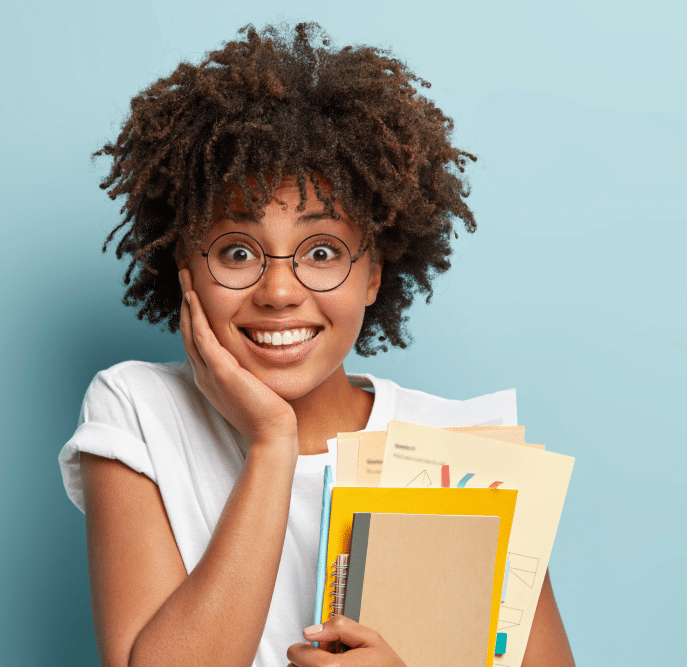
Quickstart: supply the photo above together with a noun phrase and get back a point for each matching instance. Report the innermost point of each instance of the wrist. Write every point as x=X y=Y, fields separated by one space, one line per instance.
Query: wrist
x=281 y=452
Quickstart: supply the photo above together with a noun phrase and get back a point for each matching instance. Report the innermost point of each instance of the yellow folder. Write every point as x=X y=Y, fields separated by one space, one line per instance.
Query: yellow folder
x=471 y=502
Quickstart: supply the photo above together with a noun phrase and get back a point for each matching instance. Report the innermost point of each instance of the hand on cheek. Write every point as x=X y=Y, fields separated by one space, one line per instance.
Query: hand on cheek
x=367 y=647
x=241 y=398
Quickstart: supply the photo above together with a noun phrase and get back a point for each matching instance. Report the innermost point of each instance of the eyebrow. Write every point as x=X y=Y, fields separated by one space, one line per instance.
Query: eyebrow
x=305 y=219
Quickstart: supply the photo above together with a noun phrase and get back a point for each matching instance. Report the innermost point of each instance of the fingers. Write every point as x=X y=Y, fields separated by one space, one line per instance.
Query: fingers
x=205 y=352
x=201 y=333
x=306 y=655
x=342 y=629
x=186 y=324
x=203 y=336
x=199 y=338
x=368 y=647
x=238 y=395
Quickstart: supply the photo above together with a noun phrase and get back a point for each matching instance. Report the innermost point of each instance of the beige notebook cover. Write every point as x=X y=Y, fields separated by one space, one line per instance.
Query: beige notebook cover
x=428 y=584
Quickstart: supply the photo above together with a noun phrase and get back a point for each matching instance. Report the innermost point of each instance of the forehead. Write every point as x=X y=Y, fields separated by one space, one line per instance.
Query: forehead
x=284 y=209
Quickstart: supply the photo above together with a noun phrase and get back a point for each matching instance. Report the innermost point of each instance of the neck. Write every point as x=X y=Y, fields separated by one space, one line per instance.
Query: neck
x=333 y=407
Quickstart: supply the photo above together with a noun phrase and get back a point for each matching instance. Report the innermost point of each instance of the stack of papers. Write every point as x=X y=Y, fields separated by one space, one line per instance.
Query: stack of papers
x=459 y=525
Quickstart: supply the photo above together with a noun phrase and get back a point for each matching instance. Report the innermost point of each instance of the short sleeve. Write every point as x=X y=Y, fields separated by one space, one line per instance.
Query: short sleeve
x=108 y=427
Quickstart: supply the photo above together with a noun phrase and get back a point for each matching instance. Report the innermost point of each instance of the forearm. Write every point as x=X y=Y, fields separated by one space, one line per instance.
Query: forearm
x=217 y=615
x=548 y=643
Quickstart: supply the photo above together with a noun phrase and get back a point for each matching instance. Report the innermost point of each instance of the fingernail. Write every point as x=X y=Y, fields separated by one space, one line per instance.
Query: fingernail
x=179 y=276
x=188 y=298
x=313 y=630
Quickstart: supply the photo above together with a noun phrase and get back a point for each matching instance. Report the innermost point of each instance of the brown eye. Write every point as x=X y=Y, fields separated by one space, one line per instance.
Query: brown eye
x=322 y=253
x=236 y=254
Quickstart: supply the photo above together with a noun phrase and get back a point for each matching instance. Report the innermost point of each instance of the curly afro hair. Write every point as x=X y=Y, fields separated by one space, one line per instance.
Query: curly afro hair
x=280 y=103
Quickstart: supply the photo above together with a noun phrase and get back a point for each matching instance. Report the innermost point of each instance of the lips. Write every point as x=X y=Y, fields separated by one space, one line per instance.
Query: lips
x=281 y=343
x=284 y=354
x=280 y=338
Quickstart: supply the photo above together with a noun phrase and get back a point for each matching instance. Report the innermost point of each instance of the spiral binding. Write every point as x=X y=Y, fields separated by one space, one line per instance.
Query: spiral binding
x=339 y=574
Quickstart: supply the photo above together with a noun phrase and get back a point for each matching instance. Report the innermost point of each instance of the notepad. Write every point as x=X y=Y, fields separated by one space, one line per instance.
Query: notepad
x=470 y=502
x=418 y=577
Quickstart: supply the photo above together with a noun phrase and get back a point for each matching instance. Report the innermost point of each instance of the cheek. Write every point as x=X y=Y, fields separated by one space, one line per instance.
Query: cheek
x=220 y=304
x=347 y=309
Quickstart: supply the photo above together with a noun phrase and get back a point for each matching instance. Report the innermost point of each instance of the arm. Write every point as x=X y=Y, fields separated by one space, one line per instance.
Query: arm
x=548 y=643
x=146 y=610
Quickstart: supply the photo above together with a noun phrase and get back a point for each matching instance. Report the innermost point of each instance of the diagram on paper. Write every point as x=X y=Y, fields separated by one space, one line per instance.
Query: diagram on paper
x=420 y=480
x=509 y=617
x=523 y=568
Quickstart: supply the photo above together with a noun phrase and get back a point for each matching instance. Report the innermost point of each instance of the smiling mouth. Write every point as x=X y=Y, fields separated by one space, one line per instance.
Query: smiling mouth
x=281 y=339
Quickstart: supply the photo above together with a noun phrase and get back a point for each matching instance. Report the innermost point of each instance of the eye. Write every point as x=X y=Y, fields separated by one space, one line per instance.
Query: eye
x=322 y=252
x=236 y=253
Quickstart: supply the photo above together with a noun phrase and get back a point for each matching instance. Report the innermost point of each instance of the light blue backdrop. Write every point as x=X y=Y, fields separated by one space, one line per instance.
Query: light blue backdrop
x=573 y=289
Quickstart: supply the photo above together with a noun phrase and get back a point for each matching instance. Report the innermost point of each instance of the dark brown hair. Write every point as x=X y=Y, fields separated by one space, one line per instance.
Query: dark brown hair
x=282 y=103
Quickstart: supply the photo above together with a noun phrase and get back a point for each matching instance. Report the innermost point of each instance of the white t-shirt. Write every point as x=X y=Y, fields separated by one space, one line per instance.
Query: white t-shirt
x=153 y=418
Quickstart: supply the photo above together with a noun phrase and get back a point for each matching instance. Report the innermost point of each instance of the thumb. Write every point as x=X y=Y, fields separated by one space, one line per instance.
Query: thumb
x=342 y=629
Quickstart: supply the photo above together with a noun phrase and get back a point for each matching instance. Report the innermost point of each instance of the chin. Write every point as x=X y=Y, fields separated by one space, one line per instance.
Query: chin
x=290 y=389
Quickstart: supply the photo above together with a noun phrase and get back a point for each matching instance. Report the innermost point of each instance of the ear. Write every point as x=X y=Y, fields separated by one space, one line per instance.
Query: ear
x=374 y=280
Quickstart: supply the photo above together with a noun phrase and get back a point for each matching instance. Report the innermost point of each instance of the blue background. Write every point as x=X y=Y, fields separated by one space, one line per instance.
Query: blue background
x=573 y=289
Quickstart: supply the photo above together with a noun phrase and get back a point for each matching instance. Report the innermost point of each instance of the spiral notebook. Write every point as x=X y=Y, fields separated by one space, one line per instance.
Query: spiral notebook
x=446 y=503
x=418 y=577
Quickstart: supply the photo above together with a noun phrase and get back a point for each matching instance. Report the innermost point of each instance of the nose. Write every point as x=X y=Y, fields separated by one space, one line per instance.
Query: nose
x=279 y=288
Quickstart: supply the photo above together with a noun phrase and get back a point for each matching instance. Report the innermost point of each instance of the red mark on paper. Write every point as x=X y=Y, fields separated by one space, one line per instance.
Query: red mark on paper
x=445 y=478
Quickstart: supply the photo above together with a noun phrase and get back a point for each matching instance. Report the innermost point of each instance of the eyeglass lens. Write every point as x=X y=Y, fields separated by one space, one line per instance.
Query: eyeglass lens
x=321 y=262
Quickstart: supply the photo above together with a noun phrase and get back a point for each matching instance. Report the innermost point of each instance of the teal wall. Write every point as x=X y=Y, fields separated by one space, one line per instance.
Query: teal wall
x=573 y=289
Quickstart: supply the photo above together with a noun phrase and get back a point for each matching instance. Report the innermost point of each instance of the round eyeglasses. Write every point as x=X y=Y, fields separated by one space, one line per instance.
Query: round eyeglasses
x=321 y=262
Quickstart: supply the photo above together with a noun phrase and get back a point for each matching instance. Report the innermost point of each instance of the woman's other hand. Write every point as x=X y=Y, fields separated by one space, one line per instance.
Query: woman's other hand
x=367 y=647
x=242 y=399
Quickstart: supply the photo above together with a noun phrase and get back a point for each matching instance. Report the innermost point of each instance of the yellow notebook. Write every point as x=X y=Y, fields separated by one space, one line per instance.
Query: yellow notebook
x=470 y=502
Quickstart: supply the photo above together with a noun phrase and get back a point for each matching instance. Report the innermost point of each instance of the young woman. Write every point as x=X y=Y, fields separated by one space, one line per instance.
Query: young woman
x=284 y=202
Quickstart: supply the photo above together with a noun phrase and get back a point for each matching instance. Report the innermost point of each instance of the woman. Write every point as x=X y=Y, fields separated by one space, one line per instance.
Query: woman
x=284 y=203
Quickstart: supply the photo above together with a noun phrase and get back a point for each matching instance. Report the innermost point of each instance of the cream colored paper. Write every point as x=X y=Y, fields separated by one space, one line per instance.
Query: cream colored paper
x=364 y=469
x=514 y=434
x=346 y=459
x=371 y=446
x=414 y=455
x=506 y=433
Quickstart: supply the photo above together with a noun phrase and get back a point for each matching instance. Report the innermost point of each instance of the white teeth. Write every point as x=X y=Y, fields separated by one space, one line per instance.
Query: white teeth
x=282 y=337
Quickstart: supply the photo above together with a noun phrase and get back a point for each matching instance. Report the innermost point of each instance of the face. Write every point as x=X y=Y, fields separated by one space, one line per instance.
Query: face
x=309 y=333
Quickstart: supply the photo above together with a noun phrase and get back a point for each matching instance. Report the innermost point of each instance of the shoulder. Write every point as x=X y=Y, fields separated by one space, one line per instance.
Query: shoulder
x=137 y=372
x=412 y=405
x=388 y=390
x=129 y=381
x=123 y=405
